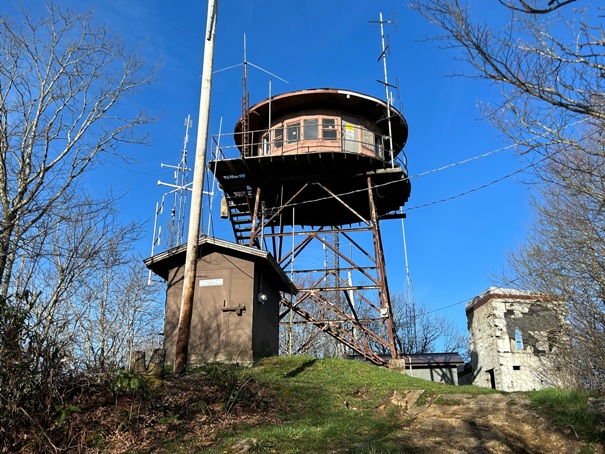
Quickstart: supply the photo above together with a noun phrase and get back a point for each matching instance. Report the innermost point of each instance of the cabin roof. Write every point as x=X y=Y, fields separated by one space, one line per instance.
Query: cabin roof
x=163 y=262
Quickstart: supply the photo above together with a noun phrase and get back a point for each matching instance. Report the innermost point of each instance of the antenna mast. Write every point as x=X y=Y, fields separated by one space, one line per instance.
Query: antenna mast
x=179 y=191
x=386 y=48
x=181 y=183
x=246 y=136
x=245 y=108
x=179 y=204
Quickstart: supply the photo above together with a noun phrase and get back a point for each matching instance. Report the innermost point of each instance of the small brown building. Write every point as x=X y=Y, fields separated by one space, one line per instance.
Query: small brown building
x=236 y=301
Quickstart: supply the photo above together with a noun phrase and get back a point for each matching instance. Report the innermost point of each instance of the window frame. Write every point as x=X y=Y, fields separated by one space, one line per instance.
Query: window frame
x=330 y=128
x=292 y=127
x=278 y=137
x=306 y=126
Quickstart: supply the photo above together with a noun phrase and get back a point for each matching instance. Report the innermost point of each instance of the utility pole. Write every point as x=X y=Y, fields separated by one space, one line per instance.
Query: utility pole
x=182 y=340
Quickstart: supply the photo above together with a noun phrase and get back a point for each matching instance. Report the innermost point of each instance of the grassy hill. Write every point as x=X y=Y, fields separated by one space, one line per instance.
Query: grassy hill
x=305 y=405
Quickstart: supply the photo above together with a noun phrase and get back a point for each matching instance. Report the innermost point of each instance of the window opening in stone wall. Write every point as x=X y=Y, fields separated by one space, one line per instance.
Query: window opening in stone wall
x=292 y=132
x=518 y=339
x=516 y=367
x=310 y=129
x=328 y=129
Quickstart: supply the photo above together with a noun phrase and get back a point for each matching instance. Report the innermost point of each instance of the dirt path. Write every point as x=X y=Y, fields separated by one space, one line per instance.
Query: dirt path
x=490 y=423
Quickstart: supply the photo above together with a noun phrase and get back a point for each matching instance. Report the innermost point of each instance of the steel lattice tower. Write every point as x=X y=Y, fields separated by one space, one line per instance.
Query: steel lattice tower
x=317 y=171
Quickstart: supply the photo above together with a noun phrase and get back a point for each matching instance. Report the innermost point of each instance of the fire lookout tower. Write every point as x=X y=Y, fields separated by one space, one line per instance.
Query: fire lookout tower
x=317 y=171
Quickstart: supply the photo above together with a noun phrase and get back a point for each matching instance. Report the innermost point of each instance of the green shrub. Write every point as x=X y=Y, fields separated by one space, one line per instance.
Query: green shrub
x=32 y=367
x=128 y=383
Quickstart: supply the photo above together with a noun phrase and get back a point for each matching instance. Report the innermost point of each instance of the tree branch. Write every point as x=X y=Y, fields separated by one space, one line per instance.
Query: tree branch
x=525 y=7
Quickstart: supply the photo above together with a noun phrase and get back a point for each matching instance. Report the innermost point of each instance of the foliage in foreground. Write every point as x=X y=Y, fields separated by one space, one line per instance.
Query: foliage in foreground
x=31 y=370
x=288 y=405
x=128 y=412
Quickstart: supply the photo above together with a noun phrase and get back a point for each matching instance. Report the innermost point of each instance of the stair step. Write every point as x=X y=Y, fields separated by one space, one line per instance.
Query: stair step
x=240 y=204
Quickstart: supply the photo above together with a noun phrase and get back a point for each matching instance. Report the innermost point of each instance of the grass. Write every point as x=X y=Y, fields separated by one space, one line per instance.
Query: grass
x=567 y=408
x=334 y=405
x=338 y=406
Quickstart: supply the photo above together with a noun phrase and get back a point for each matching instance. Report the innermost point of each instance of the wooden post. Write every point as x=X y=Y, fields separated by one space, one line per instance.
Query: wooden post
x=182 y=339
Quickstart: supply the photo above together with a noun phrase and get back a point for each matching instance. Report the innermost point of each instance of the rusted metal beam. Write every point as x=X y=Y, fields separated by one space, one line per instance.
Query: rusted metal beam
x=253 y=231
x=361 y=218
x=340 y=336
x=385 y=298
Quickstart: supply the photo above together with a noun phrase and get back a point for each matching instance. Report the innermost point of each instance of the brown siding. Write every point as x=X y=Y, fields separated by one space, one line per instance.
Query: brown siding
x=219 y=331
x=265 y=328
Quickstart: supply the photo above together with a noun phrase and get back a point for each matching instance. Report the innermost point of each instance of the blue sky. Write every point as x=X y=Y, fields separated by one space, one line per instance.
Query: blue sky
x=454 y=247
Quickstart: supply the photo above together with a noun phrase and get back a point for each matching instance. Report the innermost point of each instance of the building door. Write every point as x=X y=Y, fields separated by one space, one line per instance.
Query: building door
x=350 y=133
x=491 y=378
x=212 y=293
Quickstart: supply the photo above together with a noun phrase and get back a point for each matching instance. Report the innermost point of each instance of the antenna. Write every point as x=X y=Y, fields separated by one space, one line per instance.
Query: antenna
x=217 y=159
x=410 y=301
x=246 y=98
x=181 y=181
x=386 y=49
x=179 y=203
x=245 y=108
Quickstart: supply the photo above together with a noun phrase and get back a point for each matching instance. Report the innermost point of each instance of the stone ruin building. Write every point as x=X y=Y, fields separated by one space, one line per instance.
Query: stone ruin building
x=516 y=341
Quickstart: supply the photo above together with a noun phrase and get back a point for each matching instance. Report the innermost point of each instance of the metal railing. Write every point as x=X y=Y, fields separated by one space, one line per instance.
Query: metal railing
x=263 y=143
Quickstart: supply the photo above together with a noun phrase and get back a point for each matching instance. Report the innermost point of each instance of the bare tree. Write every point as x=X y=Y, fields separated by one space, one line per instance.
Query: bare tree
x=549 y=63
x=535 y=7
x=114 y=314
x=564 y=253
x=61 y=79
x=420 y=330
x=107 y=309
x=548 y=67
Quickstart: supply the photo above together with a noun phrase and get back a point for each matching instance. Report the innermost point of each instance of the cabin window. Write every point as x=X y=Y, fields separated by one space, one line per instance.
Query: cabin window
x=367 y=139
x=378 y=146
x=292 y=132
x=278 y=135
x=328 y=128
x=310 y=129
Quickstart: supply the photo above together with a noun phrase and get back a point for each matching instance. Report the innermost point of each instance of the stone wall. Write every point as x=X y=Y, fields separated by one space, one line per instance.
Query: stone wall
x=515 y=340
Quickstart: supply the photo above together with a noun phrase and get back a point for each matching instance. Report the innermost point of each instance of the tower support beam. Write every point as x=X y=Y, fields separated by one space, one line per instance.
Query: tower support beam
x=385 y=297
